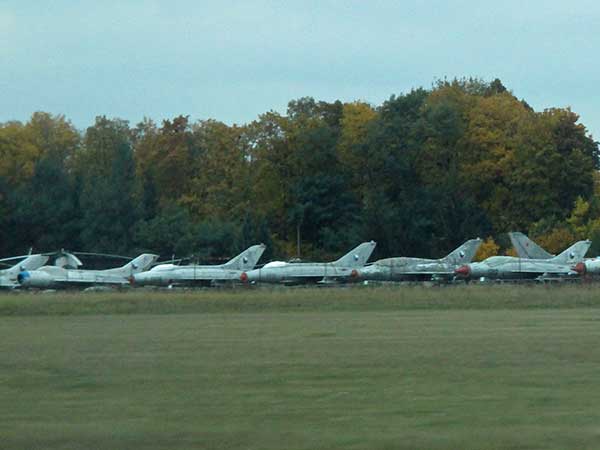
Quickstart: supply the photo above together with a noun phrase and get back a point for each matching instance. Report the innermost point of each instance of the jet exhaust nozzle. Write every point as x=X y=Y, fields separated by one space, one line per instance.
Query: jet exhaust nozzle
x=244 y=277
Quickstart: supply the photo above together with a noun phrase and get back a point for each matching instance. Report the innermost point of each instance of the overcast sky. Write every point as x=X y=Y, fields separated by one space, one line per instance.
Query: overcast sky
x=234 y=60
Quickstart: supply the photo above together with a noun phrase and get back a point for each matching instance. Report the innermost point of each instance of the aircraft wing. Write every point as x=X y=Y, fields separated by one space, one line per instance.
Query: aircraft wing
x=81 y=282
x=428 y=272
x=6 y=283
x=540 y=269
x=204 y=274
x=297 y=280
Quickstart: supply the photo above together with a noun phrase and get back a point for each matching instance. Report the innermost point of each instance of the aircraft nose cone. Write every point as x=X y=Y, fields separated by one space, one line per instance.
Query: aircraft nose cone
x=579 y=268
x=244 y=277
x=463 y=271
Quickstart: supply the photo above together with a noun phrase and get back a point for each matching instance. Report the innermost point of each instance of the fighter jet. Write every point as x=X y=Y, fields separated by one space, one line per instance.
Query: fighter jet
x=344 y=269
x=589 y=266
x=510 y=267
x=59 y=277
x=404 y=269
x=194 y=275
x=526 y=248
x=8 y=277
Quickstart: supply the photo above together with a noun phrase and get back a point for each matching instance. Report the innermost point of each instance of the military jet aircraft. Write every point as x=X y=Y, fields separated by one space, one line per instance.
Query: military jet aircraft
x=589 y=266
x=8 y=277
x=526 y=248
x=58 y=277
x=510 y=267
x=344 y=269
x=420 y=269
x=172 y=275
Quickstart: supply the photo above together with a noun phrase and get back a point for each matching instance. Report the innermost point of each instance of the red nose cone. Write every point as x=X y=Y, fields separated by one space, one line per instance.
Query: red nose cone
x=244 y=277
x=463 y=271
x=579 y=268
x=354 y=274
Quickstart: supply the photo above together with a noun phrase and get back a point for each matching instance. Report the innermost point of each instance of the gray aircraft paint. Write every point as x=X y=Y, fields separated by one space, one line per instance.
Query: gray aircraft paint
x=59 y=277
x=8 y=277
x=526 y=248
x=589 y=266
x=170 y=275
x=407 y=268
x=510 y=267
x=345 y=268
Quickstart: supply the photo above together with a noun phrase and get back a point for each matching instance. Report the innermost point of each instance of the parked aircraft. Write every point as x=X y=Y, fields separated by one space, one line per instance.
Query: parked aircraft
x=526 y=248
x=170 y=274
x=344 y=269
x=8 y=277
x=405 y=268
x=589 y=266
x=511 y=267
x=58 y=277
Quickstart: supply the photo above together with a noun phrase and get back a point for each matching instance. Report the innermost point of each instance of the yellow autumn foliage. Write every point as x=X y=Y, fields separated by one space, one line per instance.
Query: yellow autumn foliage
x=486 y=249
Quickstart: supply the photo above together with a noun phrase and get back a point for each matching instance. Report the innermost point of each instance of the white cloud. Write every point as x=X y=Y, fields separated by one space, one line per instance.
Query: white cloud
x=236 y=59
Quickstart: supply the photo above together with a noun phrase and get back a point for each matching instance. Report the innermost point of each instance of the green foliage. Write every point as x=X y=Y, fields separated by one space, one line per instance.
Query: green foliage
x=38 y=201
x=171 y=232
x=106 y=169
x=419 y=174
x=45 y=214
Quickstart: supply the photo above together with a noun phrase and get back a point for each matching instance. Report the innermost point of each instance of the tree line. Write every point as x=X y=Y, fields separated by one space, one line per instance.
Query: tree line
x=419 y=174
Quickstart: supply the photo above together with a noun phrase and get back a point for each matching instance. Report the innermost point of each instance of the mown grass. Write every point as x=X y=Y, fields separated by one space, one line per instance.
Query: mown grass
x=469 y=367
x=356 y=298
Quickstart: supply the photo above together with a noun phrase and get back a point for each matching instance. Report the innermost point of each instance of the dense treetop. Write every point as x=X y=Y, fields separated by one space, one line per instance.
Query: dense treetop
x=419 y=174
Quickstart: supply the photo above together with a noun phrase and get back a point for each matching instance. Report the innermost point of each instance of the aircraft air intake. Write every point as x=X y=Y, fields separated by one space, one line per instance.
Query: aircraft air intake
x=463 y=271
x=22 y=277
x=579 y=268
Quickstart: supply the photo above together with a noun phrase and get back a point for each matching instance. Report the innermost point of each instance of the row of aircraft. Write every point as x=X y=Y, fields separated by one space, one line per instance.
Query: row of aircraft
x=532 y=262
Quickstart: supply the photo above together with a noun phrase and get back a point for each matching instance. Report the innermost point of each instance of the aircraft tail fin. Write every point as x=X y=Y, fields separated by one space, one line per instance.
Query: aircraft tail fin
x=358 y=256
x=136 y=265
x=526 y=248
x=465 y=253
x=247 y=259
x=573 y=254
x=32 y=262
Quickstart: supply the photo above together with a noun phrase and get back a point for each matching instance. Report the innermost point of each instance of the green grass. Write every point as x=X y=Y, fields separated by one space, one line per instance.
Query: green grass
x=473 y=367
x=356 y=298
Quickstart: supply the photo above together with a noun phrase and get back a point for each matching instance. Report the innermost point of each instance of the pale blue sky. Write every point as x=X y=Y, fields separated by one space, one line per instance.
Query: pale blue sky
x=234 y=60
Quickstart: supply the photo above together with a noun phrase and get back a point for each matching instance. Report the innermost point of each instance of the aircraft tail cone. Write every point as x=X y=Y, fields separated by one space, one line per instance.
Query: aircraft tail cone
x=132 y=280
x=579 y=268
x=463 y=271
x=244 y=277
x=355 y=274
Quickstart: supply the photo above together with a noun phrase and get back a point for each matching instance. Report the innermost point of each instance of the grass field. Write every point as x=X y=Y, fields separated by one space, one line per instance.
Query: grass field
x=477 y=367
